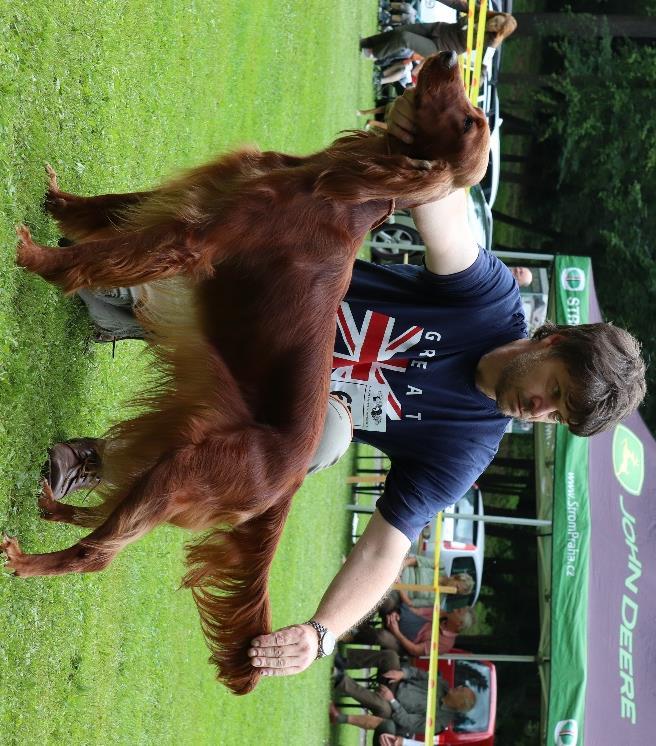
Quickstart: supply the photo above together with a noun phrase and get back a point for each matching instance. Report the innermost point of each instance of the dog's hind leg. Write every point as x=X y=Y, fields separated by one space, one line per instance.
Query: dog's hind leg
x=56 y=511
x=79 y=217
x=149 y=503
x=125 y=259
x=187 y=480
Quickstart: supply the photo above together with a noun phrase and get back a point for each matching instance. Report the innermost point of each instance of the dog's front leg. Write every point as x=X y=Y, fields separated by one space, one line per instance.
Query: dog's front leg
x=74 y=559
x=150 y=501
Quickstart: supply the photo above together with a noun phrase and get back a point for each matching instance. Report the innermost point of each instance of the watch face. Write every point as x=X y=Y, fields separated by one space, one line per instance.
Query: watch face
x=328 y=642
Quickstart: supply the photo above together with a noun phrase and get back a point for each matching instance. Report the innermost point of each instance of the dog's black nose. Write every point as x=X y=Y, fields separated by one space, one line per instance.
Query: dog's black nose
x=449 y=59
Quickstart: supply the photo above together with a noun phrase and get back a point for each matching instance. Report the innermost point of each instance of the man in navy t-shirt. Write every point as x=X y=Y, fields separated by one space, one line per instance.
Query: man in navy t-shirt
x=412 y=339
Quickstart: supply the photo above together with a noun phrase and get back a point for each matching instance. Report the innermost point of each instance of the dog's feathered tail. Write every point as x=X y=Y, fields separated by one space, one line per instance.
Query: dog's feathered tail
x=228 y=576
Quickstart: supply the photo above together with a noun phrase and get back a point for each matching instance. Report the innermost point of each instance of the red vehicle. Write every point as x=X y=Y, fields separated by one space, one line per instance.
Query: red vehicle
x=477 y=726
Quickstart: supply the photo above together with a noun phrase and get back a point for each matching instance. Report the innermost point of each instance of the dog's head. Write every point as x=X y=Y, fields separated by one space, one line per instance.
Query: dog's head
x=448 y=127
x=450 y=148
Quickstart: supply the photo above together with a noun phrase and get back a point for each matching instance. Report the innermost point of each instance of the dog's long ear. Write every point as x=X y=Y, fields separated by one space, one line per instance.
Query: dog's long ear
x=356 y=178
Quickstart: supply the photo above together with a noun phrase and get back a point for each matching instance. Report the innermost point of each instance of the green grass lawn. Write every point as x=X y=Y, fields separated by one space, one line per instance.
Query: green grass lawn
x=115 y=95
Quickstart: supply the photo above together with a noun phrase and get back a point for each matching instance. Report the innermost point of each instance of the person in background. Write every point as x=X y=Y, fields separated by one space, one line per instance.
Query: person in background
x=419 y=569
x=400 y=708
x=407 y=631
x=402 y=12
x=523 y=275
x=429 y=38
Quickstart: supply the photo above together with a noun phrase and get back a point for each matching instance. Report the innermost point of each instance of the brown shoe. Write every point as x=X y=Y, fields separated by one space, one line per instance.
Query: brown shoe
x=334 y=714
x=72 y=465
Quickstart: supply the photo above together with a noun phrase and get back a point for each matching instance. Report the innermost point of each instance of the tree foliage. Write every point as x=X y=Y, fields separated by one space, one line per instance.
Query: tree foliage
x=599 y=113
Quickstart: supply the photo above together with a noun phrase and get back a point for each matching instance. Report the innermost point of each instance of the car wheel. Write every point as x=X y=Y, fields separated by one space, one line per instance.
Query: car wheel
x=388 y=242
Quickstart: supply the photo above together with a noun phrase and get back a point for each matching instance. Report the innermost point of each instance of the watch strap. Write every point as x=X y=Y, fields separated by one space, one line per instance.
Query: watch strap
x=321 y=631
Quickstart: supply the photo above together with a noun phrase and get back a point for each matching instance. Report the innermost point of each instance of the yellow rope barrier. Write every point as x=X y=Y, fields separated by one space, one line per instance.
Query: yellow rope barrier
x=472 y=81
x=469 y=43
x=480 y=52
x=431 y=698
x=446 y=589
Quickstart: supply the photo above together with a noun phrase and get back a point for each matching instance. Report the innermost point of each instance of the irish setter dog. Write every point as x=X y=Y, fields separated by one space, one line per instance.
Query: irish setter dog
x=258 y=248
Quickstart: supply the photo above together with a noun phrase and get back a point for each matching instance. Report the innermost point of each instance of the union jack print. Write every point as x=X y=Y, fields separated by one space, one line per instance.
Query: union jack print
x=371 y=349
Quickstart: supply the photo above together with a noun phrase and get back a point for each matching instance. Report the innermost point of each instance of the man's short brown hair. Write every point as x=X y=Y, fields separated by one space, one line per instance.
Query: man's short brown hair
x=607 y=372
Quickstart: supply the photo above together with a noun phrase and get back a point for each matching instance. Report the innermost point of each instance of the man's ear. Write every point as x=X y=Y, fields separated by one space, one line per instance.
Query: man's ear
x=551 y=339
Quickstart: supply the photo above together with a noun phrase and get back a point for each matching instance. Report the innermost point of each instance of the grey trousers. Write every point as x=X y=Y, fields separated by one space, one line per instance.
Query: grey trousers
x=423 y=38
x=111 y=311
x=384 y=660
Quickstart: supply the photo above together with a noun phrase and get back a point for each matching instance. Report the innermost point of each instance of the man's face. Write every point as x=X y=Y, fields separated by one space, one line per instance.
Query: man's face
x=534 y=387
x=460 y=698
x=523 y=275
x=459 y=616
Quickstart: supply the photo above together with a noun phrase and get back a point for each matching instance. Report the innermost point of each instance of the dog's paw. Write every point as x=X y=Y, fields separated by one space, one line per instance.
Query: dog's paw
x=53 y=201
x=48 y=506
x=24 y=235
x=15 y=557
x=50 y=509
x=25 y=248
x=26 y=251
x=53 y=186
x=32 y=256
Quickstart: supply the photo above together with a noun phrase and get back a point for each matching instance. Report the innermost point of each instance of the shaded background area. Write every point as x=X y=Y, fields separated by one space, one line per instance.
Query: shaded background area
x=577 y=100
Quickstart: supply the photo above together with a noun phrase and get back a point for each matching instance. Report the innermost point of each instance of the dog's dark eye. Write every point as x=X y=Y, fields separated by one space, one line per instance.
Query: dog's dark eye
x=469 y=121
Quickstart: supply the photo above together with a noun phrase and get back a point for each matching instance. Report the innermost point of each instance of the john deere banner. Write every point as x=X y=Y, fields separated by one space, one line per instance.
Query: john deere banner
x=603 y=648
x=621 y=694
x=571 y=534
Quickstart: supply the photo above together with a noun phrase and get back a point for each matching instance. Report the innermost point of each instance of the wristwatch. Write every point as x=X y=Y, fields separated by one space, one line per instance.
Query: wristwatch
x=326 y=638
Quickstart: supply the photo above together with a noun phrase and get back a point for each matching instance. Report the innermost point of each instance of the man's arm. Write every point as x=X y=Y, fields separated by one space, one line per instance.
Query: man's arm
x=410 y=647
x=410 y=722
x=443 y=225
x=444 y=228
x=368 y=572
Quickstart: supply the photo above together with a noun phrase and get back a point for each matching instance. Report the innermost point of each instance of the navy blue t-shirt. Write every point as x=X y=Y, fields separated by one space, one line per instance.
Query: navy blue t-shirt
x=408 y=343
